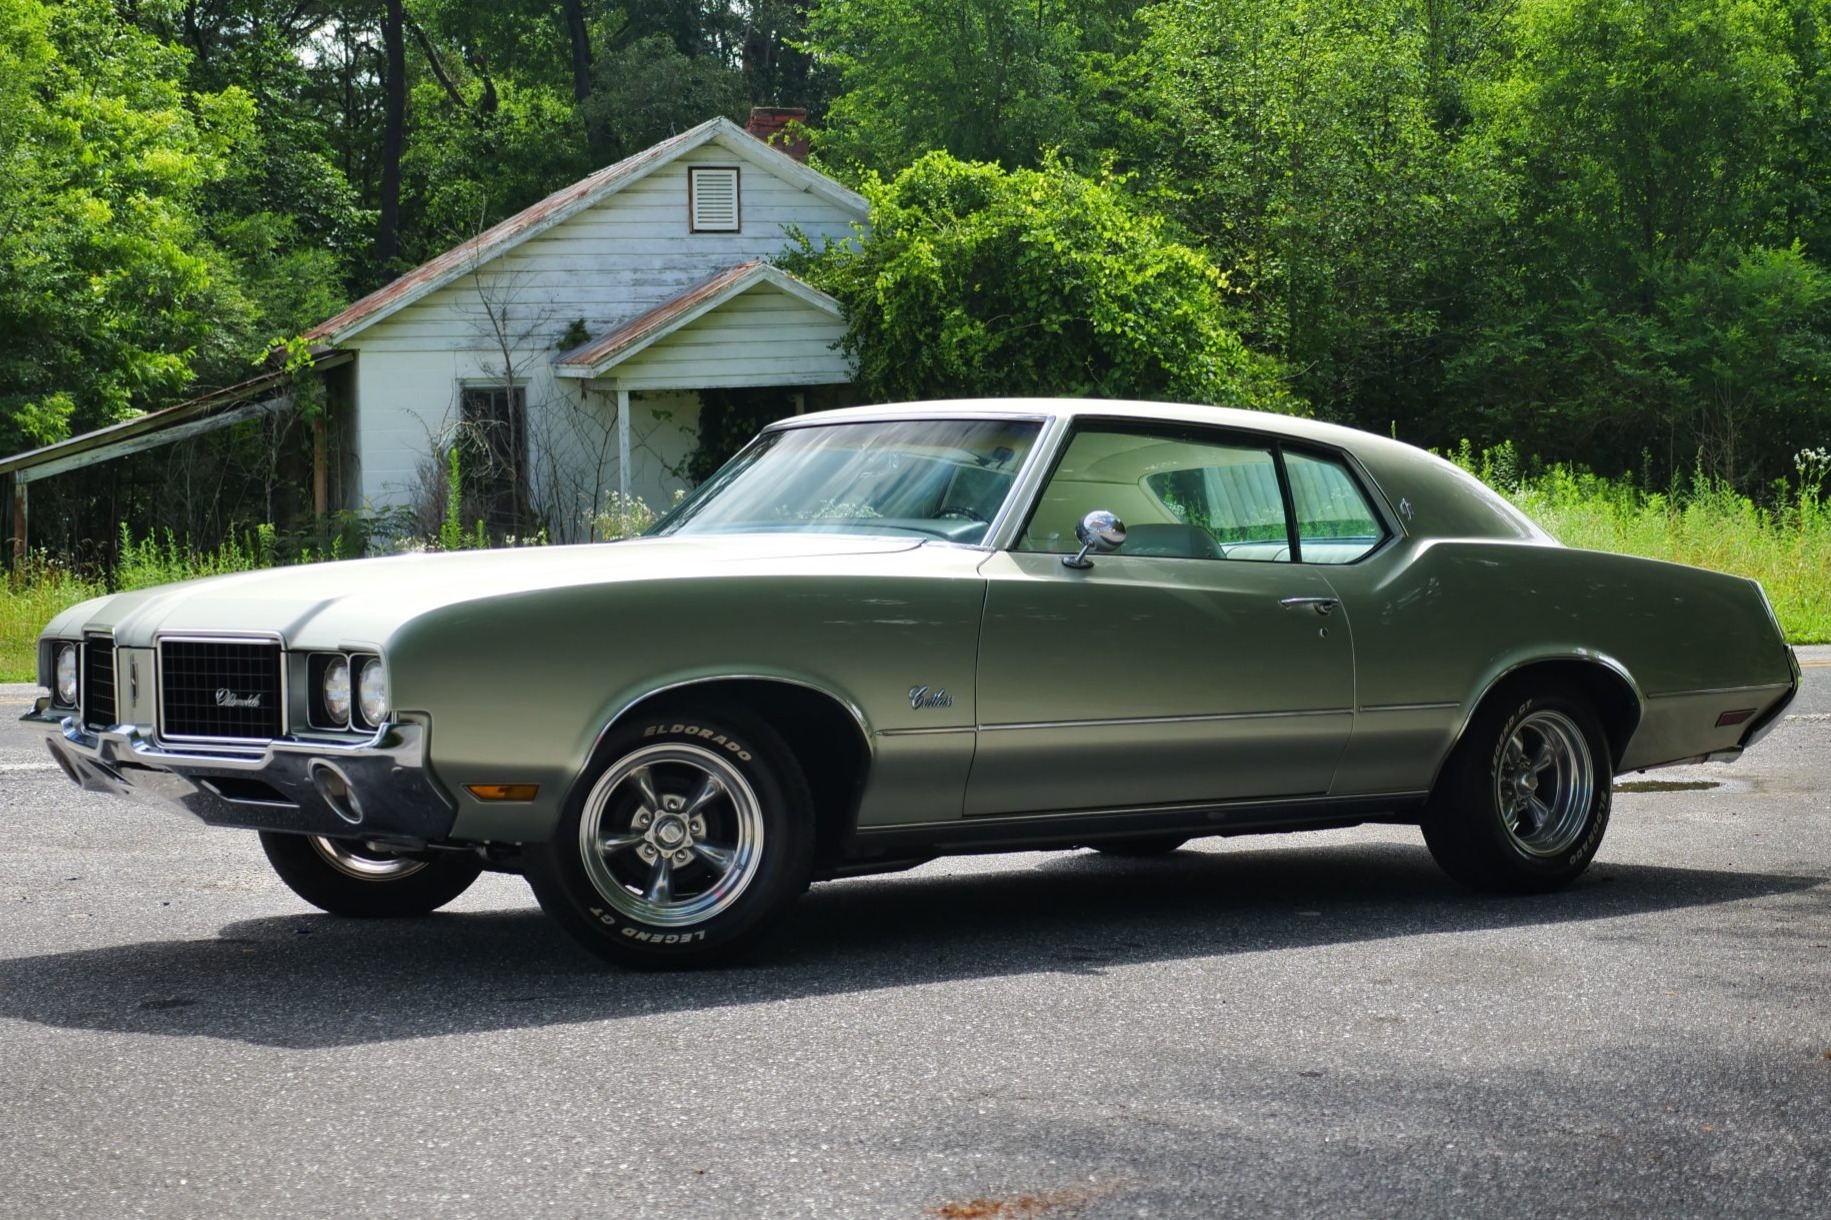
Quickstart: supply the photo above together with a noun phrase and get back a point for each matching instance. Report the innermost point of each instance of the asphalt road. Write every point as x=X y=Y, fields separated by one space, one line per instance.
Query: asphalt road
x=1307 y=1025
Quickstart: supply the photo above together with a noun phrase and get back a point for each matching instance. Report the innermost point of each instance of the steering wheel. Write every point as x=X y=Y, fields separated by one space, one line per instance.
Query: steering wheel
x=959 y=511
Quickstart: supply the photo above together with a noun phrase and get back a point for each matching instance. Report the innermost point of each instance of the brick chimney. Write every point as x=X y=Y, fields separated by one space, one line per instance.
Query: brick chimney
x=769 y=124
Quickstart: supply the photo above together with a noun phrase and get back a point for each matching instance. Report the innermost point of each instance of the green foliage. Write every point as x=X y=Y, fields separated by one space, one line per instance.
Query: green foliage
x=1661 y=293
x=110 y=289
x=976 y=281
x=1597 y=226
x=648 y=90
x=1305 y=143
x=142 y=563
x=986 y=80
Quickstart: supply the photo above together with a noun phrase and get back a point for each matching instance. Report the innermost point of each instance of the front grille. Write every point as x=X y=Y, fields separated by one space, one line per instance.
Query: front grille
x=98 y=682
x=216 y=689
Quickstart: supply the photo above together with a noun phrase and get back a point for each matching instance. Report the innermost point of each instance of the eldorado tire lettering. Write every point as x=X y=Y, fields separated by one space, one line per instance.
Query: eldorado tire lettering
x=694 y=730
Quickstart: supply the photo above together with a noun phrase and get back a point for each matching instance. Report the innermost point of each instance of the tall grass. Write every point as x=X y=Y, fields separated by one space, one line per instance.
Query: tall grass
x=29 y=599
x=32 y=596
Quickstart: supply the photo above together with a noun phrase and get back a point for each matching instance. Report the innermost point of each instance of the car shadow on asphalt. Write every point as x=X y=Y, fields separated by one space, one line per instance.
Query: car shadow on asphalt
x=310 y=980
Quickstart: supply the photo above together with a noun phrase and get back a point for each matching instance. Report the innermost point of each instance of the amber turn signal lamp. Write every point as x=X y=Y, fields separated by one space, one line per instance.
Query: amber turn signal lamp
x=502 y=792
x=1735 y=717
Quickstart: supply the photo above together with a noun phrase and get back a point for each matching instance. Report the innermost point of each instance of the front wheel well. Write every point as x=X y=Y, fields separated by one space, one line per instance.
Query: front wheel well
x=1615 y=702
x=820 y=731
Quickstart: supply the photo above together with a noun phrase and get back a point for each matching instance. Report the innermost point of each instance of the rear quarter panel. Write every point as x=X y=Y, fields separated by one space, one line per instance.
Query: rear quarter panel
x=1437 y=624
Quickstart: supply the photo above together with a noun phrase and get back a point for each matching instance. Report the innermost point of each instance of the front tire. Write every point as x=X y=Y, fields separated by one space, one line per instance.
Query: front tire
x=350 y=878
x=685 y=840
x=1523 y=803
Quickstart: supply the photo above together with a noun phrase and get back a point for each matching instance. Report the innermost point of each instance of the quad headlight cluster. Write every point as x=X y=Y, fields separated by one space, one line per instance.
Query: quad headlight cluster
x=348 y=691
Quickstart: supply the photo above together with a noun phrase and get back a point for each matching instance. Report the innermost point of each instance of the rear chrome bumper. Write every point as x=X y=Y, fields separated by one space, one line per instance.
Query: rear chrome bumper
x=1766 y=722
x=376 y=789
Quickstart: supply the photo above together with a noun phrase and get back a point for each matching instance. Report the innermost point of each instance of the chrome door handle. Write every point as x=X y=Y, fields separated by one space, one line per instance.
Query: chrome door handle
x=1321 y=605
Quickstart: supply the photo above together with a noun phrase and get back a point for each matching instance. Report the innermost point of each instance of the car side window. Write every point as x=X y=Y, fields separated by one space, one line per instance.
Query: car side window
x=1335 y=523
x=1181 y=496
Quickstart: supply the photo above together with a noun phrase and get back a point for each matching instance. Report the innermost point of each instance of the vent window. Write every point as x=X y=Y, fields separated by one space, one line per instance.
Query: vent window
x=712 y=199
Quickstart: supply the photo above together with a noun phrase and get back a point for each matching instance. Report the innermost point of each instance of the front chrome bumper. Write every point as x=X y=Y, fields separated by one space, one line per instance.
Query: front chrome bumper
x=376 y=789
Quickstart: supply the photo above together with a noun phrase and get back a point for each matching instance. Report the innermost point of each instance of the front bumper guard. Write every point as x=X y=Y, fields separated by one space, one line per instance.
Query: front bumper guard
x=375 y=789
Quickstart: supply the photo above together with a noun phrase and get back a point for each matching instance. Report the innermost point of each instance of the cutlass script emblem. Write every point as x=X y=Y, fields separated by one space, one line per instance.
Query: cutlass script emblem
x=228 y=698
x=921 y=697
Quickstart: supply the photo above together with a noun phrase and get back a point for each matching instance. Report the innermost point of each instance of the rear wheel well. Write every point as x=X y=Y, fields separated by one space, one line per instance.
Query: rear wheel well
x=1607 y=692
x=820 y=732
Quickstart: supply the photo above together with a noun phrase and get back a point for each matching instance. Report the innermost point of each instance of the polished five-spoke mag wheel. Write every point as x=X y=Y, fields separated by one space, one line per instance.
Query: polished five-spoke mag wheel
x=1523 y=802
x=1545 y=783
x=686 y=837
x=671 y=835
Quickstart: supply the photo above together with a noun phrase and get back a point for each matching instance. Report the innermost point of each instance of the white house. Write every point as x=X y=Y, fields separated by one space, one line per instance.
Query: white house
x=567 y=346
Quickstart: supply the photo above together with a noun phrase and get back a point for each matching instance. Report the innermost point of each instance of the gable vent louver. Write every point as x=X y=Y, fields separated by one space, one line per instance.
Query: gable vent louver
x=712 y=194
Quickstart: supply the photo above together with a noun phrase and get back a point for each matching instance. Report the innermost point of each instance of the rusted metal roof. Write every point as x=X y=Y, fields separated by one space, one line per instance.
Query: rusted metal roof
x=593 y=358
x=469 y=255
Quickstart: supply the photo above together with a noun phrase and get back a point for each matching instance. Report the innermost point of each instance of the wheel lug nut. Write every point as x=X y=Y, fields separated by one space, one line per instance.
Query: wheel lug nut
x=681 y=857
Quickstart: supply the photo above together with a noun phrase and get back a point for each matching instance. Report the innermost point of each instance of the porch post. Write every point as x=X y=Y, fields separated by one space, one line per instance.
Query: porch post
x=320 y=471
x=623 y=456
x=19 y=534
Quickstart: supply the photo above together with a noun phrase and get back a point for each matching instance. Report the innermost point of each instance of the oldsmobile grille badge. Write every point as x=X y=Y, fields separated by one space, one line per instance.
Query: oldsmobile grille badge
x=228 y=698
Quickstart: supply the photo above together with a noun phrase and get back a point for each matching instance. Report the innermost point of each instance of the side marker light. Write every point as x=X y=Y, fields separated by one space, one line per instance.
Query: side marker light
x=503 y=792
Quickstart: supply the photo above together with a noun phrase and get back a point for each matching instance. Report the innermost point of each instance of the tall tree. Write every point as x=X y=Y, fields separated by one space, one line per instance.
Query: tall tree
x=1651 y=238
x=1311 y=144
x=394 y=136
x=986 y=80
x=112 y=291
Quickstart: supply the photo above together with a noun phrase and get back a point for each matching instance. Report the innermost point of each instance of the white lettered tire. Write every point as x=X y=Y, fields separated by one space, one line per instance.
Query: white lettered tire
x=689 y=834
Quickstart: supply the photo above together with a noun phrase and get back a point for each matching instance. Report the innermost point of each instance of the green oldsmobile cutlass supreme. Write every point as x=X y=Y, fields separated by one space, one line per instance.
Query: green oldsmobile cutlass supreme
x=884 y=634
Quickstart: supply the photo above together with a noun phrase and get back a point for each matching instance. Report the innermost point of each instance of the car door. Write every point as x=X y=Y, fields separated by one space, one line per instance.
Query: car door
x=1196 y=664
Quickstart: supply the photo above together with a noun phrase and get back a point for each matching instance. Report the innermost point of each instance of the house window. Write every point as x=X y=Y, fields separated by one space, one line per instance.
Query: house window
x=712 y=199
x=493 y=457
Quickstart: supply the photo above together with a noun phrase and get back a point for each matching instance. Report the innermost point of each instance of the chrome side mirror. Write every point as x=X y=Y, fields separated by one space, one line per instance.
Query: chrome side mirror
x=1099 y=531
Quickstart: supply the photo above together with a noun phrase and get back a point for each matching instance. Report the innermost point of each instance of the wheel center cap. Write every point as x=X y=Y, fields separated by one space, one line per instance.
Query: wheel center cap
x=670 y=832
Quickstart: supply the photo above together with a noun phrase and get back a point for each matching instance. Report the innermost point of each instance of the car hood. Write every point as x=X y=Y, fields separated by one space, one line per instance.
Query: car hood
x=360 y=601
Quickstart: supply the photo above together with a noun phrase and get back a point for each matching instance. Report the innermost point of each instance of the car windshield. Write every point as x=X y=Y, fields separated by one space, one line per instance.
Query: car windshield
x=938 y=478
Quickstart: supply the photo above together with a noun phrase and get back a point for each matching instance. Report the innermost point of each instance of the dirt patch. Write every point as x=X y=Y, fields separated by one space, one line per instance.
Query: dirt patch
x=1021 y=1207
x=1668 y=785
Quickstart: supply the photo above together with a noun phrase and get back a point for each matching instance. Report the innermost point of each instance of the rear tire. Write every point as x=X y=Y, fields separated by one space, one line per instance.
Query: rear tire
x=351 y=878
x=689 y=835
x=1523 y=803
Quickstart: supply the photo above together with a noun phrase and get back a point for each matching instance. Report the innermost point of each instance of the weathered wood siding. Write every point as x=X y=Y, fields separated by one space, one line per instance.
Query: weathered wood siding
x=765 y=333
x=629 y=253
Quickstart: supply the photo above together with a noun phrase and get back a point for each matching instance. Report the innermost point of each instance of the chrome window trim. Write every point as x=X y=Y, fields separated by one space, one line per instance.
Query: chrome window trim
x=1277 y=442
x=1026 y=486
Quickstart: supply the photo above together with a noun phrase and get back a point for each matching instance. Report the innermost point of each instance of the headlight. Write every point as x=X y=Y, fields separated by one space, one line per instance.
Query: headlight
x=337 y=689
x=66 y=675
x=372 y=689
